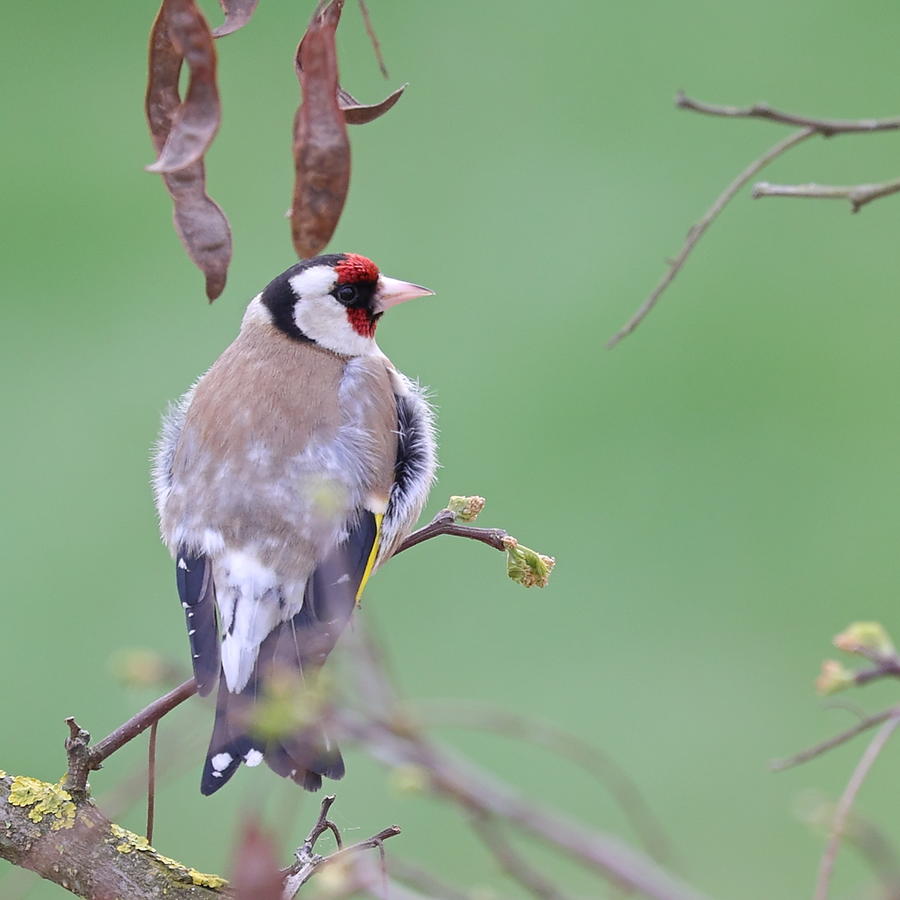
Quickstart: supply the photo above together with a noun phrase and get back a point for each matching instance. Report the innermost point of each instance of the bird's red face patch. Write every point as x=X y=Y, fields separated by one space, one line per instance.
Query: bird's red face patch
x=356 y=268
x=362 y=322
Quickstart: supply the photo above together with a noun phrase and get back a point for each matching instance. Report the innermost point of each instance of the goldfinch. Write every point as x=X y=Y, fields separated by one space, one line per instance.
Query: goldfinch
x=283 y=478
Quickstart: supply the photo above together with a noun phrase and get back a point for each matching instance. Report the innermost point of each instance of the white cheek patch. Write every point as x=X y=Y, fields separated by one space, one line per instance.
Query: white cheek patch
x=320 y=317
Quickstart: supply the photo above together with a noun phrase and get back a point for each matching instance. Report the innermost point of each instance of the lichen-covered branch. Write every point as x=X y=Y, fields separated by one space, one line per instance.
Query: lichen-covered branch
x=71 y=842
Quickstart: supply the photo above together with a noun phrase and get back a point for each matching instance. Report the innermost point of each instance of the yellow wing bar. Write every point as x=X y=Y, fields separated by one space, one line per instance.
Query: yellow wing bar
x=372 y=556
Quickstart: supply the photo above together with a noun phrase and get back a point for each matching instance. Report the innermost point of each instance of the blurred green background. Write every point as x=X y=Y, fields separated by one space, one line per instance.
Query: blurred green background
x=720 y=490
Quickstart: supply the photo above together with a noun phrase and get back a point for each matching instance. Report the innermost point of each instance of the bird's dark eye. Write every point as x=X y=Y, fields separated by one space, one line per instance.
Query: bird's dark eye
x=346 y=294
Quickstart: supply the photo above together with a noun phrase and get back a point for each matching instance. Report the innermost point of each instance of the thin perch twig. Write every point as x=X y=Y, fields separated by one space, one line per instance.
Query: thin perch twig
x=443 y=523
x=826 y=866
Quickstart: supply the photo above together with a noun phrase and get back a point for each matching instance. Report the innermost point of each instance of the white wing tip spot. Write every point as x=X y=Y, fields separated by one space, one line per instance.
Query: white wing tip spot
x=253 y=758
x=219 y=762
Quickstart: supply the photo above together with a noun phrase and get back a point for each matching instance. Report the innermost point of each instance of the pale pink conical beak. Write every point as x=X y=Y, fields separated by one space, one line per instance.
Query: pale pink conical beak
x=391 y=291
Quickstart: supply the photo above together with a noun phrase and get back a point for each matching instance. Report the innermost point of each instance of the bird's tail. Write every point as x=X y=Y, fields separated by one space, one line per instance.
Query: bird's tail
x=272 y=719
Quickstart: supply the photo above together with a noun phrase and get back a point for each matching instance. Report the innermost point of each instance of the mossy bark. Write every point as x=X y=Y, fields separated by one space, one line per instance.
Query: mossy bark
x=74 y=845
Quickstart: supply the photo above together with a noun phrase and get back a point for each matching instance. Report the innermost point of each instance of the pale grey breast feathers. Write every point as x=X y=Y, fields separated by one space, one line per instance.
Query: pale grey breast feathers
x=274 y=449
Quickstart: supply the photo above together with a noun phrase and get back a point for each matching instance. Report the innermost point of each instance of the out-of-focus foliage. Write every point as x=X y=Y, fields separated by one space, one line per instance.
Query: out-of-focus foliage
x=720 y=491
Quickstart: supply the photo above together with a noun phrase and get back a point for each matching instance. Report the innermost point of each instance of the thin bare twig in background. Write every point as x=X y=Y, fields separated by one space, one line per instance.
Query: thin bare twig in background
x=825 y=127
x=779 y=765
x=858 y=195
x=826 y=866
x=698 y=230
x=370 y=31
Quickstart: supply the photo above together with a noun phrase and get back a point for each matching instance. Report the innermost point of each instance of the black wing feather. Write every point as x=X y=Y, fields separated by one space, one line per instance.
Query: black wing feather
x=193 y=575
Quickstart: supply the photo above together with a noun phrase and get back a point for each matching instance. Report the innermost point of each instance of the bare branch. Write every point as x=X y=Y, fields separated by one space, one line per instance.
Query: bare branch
x=140 y=722
x=476 y=791
x=308 y=862
x=845 y=804
x=425 y=882
x=698 y=230
x=825 y=127
x=779 y=765
x=857 y=194
x=513 y=863
x=578 y=751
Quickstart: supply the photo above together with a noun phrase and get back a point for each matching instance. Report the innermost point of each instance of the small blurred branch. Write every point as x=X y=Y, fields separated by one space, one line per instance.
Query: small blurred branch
x=589 y=758
x=424 y=881
x=308 y=861
x=858 y=195
x=779 y=765
x=826 y=866
x=512 y=862
x=383 y=728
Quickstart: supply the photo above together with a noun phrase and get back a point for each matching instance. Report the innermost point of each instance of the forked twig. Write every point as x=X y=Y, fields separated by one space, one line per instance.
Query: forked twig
x=858 y=195
x=698 y=230
x=864 y=766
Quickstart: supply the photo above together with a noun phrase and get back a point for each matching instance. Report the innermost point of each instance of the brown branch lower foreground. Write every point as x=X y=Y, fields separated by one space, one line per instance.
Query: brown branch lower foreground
x=70 y=842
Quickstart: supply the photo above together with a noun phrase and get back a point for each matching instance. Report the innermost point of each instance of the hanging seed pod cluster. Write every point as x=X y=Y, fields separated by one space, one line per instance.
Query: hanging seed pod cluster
x=182 y=129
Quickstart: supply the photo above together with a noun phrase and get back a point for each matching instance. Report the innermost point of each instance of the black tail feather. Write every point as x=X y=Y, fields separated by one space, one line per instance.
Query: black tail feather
x=299 y=647
x=305 y=756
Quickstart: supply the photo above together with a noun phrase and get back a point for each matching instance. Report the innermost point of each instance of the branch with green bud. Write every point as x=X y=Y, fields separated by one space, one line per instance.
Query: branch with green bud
x=869 y=640
x=523 y=565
